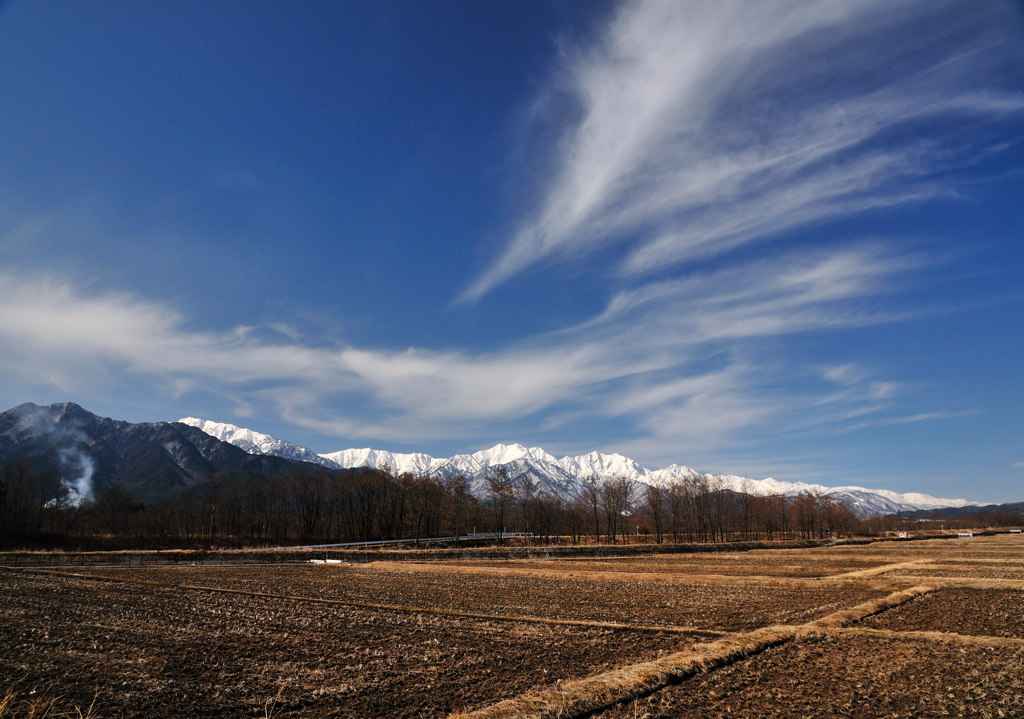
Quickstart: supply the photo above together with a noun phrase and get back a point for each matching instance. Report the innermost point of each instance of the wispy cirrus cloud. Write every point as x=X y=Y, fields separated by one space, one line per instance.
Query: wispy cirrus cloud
x=703 y=127
x=638 y=361
x=930 y=416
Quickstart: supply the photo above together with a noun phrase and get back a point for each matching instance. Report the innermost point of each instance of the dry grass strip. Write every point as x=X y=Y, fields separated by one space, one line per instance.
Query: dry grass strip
x=944 y=637
x=751 y=556
x=582 y=623
x=581 y=697
x=636 y=577
x=966 y=562
x=963 y=582
x=870 y=608
x=875 y=571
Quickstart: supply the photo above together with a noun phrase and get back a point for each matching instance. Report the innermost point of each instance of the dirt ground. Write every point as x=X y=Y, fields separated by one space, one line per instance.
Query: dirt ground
x=985 y=571
x=177 y=649
x=703 y=606
x=857 y=677
x=157 y=652
x=976 y=612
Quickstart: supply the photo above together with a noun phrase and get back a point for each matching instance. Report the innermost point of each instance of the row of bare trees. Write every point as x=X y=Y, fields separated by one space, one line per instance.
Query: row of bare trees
x=324 y=506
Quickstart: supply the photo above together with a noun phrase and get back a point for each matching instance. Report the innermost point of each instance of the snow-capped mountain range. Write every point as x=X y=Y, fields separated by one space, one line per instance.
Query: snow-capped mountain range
x=563 y=476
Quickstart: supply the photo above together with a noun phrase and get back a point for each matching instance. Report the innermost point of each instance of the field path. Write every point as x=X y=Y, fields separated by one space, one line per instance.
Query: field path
x=884 y=569
x=682 y=577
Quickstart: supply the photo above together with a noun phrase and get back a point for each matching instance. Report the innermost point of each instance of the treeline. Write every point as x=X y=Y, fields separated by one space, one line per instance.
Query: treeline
x=936 y=521
x=316 y=506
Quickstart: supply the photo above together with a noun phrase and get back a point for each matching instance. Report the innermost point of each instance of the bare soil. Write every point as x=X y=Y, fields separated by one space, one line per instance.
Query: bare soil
x=180 y=650
x=853 y=676
x=978 y=612
x=154 y=652
x=703 y=606
x=954 y=550
x=984 y=571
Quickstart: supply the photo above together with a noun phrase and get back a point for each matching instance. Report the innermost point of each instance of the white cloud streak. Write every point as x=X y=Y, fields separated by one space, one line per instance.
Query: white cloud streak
x=704 y=127
x=633 y=361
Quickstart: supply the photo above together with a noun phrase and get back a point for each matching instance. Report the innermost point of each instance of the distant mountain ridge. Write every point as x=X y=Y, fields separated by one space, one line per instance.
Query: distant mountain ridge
x=87 y=453
x=563 y=476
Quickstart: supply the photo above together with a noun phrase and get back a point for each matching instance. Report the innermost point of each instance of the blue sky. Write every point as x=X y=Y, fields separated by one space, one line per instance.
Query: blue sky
x=777 y=238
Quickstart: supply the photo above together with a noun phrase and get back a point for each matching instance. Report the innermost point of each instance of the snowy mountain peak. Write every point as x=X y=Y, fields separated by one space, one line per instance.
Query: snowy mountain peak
x=563 y=477
x=506 y=453
x=672 y=472
x=595 y=464
x=247 y=439
x=413 y=463
x=256 y=442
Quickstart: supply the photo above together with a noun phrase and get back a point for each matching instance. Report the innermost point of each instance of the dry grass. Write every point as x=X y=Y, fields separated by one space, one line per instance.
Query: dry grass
x=961 y=582
x=774 y=563
x=682 y=577
x=522 y=570
x=34 y=703
x=875 y=571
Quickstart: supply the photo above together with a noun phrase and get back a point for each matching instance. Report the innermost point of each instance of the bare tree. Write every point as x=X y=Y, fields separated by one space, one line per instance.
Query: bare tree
x=654 y=495
x=459 y=500
x=676 y=505
x=590 y=494
x=499 y=492
x=616 y=494
x=525 y=488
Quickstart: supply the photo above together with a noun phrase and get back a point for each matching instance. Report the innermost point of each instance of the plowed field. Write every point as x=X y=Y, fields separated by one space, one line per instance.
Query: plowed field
x=849 y=677
x=976 y=612
x=158 y=652
x=902 y=629
x=706 y=606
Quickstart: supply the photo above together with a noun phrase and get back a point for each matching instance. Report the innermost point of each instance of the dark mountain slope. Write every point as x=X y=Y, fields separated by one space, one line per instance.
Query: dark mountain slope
x=154 y=461
x=986 y=510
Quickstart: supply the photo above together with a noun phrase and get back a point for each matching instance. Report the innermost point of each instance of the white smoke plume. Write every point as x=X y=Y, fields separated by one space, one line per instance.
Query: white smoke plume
x=75 y=461
x=77 y=467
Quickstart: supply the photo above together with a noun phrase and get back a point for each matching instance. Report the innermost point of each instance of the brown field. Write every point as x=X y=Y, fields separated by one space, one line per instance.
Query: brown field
x=730 y=607
x=973 y=612
x=156 y=651
x=903 y=629
x=849 y=676
x=985 y=571
x=755 y=563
